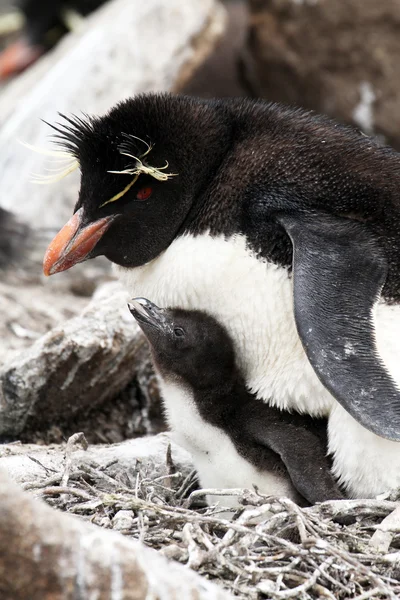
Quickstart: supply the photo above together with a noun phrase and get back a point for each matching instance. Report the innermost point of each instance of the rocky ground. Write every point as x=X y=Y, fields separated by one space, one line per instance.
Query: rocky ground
x=146 y=490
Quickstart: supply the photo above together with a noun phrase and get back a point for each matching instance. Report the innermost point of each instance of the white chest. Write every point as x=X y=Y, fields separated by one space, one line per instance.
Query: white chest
x=253 y=299
x=366 y=464
x=215 y=457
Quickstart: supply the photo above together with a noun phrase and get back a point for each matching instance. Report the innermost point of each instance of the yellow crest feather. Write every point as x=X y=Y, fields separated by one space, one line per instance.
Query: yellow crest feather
x=66 y=164
x=120 y=194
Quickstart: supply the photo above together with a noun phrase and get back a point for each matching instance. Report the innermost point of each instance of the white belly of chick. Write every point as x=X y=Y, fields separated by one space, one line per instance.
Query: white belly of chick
x=217 y=462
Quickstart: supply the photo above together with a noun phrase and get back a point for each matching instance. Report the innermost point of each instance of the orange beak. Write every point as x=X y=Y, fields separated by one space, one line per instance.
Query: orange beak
x=17 y=57
x=73 y=243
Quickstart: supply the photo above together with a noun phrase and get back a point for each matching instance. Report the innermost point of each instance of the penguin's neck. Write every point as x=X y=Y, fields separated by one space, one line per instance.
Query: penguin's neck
x=221 y=403
x=217 y=399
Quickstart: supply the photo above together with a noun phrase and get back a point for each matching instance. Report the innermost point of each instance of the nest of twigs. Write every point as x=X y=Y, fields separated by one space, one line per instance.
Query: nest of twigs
x=270 y=548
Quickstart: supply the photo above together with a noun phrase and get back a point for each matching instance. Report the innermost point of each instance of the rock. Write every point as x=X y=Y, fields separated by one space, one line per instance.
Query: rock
x=123 y=520
x=123 y=49
x=338 y=58
x=218 y=76
x=48 y=554
x=29 y=311
x=31 y=305
x=74 y=367
x=26 y=463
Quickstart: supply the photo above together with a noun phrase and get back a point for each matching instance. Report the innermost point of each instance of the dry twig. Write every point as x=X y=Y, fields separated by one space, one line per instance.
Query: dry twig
x=272 y=548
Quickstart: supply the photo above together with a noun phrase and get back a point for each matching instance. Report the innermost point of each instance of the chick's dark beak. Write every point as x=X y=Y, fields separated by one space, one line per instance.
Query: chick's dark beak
x=73 y=243
x=148 y=315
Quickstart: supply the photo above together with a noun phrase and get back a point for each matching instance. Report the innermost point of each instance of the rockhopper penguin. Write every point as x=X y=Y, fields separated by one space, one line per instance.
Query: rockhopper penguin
x=284 y=226
x=235 y=439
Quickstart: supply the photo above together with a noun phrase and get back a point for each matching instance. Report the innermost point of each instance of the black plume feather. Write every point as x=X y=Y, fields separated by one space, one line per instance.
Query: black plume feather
x=73 y=133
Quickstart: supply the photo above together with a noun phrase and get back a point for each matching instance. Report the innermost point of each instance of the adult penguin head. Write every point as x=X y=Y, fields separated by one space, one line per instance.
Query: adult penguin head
x=306 y=193
x=143 y=167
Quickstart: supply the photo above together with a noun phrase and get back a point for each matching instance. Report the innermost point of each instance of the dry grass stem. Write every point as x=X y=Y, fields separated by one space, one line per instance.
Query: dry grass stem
x=270 y=549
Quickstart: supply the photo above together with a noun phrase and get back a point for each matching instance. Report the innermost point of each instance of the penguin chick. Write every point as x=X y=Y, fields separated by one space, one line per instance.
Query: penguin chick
x=236 y=441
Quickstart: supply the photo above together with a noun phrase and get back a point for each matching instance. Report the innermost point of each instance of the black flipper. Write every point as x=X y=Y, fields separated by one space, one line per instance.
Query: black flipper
x=339 y=270
x=301 y=444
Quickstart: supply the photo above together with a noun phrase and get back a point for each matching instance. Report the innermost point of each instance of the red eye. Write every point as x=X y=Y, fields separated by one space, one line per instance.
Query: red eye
x=144 y=193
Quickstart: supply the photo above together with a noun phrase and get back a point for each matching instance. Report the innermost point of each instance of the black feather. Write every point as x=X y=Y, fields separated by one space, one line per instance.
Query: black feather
x=72 y=134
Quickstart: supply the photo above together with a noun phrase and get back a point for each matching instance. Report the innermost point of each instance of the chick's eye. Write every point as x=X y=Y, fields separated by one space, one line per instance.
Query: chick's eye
x=178 y=331
x=144 y=193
